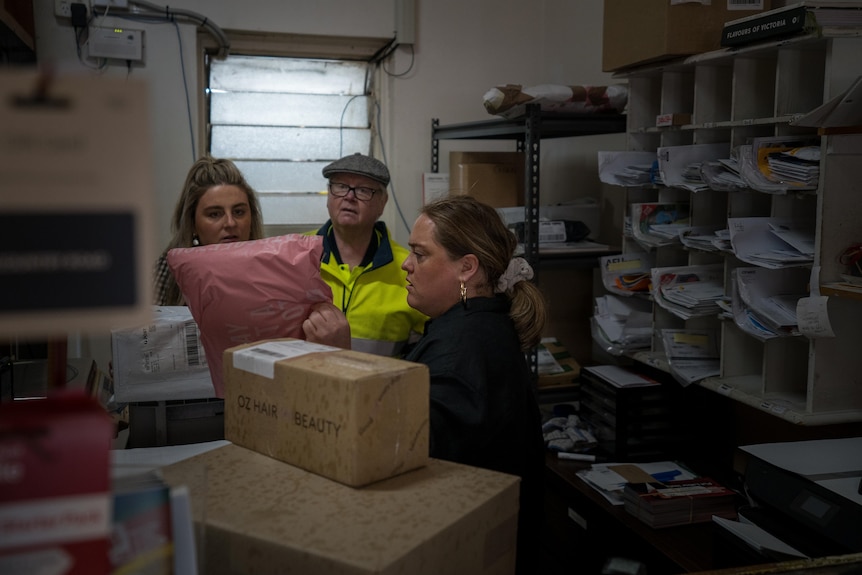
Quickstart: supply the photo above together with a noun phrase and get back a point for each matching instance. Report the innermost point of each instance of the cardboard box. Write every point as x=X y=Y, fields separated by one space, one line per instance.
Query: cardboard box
x=55 y=504
x=642 y=31
x=349 y=416
x=495 y=178
x=559 y=368
x=255 y=514
x=161 y=360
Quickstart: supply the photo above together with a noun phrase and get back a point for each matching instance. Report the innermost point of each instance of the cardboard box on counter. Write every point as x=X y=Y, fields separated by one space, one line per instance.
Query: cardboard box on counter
x=349 y=416
x=642 y=31
x=495 y=178
x=663 y=120
x=254 y=514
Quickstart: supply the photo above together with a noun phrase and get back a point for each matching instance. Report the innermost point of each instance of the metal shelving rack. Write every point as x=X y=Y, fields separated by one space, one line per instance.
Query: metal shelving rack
x=759 y=90
x=528 y=131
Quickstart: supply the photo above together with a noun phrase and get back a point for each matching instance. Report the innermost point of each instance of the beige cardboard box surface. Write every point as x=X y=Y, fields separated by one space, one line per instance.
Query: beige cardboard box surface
x=640 y=31
x=495 y=178
x=349 y=416
x=257 y=515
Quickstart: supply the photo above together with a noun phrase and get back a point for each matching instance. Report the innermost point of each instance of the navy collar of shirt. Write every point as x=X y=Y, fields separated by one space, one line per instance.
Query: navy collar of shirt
x=379 y=252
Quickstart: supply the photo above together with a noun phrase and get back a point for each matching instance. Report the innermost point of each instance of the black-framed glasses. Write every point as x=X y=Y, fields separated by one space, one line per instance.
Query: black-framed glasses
x=340 y=190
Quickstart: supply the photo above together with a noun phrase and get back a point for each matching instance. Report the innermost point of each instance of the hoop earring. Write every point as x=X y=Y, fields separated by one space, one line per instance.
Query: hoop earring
x=195 y=240
x=463 y=294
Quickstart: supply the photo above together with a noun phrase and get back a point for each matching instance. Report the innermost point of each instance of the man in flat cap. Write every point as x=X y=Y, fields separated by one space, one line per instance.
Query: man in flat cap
x=362 y=263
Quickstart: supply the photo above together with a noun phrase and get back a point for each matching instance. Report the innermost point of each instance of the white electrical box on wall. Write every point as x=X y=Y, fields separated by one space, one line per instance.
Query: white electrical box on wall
x=119 y=43
x=63 y=8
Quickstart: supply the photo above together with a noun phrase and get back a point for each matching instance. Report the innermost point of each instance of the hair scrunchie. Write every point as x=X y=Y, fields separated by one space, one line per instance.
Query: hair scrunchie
x=518 y=270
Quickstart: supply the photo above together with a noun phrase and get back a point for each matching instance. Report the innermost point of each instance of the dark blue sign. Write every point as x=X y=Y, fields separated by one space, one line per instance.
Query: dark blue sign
x=59 y=261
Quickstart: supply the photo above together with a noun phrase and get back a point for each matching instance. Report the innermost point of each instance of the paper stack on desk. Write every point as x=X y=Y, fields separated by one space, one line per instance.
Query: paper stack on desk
x=679 y=502
x=619 y=376
x=609 y=479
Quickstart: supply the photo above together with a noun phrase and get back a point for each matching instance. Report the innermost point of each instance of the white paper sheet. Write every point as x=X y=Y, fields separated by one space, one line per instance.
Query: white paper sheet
x=757 y=538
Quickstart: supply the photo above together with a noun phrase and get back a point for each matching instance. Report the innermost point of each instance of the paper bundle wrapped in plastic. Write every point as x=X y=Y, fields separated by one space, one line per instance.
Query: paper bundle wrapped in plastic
x=509 y=100
x=161 y=360
x=249 y=291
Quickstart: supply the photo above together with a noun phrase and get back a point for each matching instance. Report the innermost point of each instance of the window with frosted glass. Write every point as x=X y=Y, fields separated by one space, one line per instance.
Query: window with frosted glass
x=281 y=120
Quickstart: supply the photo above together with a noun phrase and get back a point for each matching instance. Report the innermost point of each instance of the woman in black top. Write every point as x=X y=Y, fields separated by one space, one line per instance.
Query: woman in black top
x=484 y=314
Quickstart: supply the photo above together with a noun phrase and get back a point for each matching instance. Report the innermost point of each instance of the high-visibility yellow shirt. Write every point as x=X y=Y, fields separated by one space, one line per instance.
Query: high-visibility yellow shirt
x=373 y=295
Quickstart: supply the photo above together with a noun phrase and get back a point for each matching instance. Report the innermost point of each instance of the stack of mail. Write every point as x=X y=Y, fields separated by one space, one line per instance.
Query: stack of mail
x=628 y=169
x=700 y=238
x=680 y=166
x=771 y=242
x=621 y=325
x=723 y=175
x=764 y=300
x=780 y=164
x=798 y=166
x=689 y=291
x=627 y=274
x=656 y=224
x=691 y=354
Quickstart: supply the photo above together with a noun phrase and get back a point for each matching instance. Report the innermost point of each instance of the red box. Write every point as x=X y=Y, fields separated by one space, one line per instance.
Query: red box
x=55 y=486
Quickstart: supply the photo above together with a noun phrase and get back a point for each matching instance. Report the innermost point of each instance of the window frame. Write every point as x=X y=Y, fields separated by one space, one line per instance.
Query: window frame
x=367 y=49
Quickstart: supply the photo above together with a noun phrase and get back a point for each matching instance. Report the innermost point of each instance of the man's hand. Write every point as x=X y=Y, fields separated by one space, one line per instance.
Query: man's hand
x=326 y=324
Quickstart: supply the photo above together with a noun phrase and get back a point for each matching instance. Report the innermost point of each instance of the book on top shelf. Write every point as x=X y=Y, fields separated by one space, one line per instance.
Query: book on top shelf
x=801 y=17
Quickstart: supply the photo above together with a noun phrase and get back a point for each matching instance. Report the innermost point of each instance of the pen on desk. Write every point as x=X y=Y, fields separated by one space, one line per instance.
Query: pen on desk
x=575 y=456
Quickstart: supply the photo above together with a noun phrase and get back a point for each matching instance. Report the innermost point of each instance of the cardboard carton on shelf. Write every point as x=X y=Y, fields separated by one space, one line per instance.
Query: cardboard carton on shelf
x=255 y=514
x=495 y=178
x=641 y=31
x=560 y=369
x=677 y=119
x=350 y=416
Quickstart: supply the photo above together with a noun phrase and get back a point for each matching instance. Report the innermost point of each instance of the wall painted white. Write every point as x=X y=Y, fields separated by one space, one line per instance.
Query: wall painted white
x=462 y=49
x=465 y=48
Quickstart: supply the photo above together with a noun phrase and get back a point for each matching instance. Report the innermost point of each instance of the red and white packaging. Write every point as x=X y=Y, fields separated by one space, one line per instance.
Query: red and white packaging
x=55 y=486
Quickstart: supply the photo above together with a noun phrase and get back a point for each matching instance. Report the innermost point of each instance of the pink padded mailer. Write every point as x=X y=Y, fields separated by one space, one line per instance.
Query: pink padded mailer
x=248 y=291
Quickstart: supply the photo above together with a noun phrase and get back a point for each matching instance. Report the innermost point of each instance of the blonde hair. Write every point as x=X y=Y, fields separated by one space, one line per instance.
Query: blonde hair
x=204 y=174
x=463 y=225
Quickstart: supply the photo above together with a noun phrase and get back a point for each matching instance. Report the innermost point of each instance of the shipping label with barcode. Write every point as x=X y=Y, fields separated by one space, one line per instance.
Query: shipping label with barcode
x=194 y=351
x=552 y=232
x=261 y=359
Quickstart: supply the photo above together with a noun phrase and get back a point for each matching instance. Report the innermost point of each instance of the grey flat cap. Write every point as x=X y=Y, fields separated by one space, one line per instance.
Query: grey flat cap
x=359 y=165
